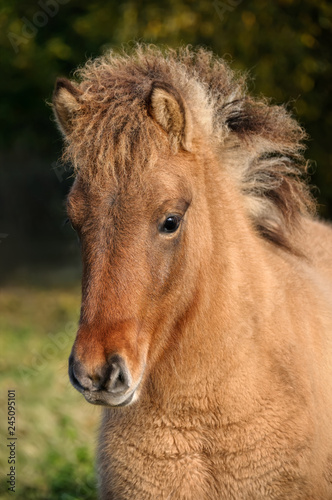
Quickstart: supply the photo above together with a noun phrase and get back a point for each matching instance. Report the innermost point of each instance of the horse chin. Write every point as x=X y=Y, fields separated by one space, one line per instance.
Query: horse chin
x=104 y=398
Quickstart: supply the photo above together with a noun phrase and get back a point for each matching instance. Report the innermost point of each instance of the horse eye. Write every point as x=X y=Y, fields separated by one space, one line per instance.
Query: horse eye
x=171 y=224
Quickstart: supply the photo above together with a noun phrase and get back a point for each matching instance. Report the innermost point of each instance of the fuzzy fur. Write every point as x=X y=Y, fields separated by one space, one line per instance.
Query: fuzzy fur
x=259 y=143
x=225 y=325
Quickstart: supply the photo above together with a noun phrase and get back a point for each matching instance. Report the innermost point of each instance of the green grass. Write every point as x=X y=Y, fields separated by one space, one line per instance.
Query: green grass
x=55 y=428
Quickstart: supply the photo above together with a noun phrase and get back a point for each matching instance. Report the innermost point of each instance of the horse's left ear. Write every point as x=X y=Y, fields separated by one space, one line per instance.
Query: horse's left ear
x=65 y=104
x=169 y=110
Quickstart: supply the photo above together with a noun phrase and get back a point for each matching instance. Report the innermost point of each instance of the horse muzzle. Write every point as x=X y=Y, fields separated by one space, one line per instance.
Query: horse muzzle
x=109 y=385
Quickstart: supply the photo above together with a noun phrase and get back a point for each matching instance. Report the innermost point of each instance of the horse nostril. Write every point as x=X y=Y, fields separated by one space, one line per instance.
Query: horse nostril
x=113 y=376
x=119 y=377
x=75 y=375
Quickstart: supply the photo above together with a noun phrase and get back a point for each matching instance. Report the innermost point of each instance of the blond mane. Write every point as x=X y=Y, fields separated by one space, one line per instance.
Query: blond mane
x=260 y=145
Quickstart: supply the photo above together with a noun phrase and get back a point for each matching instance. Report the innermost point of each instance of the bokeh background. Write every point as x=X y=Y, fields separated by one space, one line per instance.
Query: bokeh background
x=284 y=45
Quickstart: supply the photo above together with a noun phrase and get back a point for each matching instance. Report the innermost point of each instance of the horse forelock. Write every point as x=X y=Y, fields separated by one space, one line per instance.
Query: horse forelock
x=260 y=145
x=113 y=134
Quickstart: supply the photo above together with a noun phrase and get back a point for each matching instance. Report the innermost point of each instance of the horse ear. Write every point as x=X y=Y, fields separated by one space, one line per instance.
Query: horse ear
x=65 y=104
x=168 y=109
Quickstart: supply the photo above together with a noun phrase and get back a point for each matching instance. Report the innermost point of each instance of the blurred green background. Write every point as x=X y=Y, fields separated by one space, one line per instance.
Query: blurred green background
x=285 y=45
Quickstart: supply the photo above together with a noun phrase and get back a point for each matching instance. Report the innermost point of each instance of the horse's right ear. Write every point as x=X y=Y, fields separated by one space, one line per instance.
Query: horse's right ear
x=65 y=104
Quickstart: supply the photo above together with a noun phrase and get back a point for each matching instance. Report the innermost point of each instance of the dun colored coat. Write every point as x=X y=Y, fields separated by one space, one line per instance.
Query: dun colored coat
x=206 y=320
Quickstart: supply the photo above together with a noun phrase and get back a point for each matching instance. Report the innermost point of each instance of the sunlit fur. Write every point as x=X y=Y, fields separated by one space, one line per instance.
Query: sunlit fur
x=225 y=326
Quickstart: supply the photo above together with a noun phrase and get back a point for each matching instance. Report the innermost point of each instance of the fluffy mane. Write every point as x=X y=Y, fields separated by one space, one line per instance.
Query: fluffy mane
x=260 y=144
